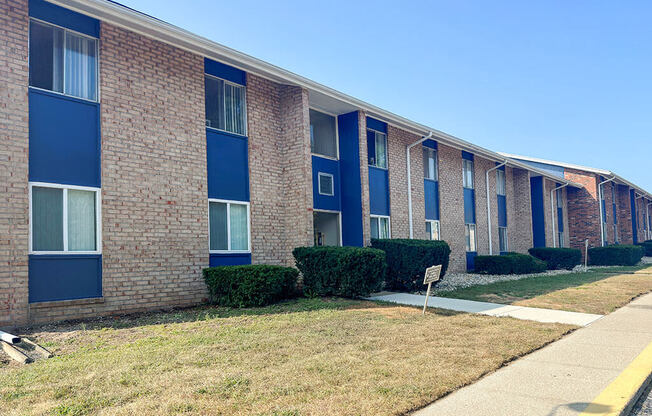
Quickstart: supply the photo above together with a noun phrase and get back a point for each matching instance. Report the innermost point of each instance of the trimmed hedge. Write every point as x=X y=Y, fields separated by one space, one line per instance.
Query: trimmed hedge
x=250 y=285
x=510 y=263
x=647 y=246
x=558 y=258
x=349 y=272
x=407 y=261
x=616 y=255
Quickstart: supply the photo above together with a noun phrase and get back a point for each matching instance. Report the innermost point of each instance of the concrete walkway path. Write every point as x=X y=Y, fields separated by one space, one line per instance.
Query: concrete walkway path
x=589 y=372
x=492 y=309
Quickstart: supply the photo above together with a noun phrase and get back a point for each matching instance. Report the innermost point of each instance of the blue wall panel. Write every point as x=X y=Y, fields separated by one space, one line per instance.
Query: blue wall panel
x=431 y=195
x=378 y=191
x=632 y=202
x=469 y=206
x=377 y=125
x=553 y=169
x=63 y=17
x=227 y=259
x=320 y=164
x=430 y=143
x=470 y=260
x=224 y=71
x=351 y=188
x=64 y=277
x=560 y=220
x=228 y=169
x=467 y=155
x=502 y=210
x=64 y=140
x=538 y=219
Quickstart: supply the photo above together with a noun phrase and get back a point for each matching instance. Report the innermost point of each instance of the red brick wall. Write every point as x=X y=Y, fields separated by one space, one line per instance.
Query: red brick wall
x=14 y=139
x=451 y=198
x=520 y=226
x=624 y=212
x=583 y=210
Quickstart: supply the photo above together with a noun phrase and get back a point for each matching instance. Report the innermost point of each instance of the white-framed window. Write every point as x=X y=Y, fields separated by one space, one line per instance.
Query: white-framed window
x=605 y=240
x=560 y=198
x=432 y=230
x=323 y=134
x=467 y=171
x=613 y=193
x=228 y=223
x=430 y=163
x=502 y=239
x=380 y=226
x=471 y=240
x=62 y=60
x=64 y=219
x=616 y=239
x=226 y=106
x=560 y=236
x=378 y=157
x=326 y=184
x=327 y=227
x=500 y=182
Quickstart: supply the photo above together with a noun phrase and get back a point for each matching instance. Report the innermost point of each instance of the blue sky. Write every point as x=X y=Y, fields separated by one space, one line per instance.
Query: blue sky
x=561 y=80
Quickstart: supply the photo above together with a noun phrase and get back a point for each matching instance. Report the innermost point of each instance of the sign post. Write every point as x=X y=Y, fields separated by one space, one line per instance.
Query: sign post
x=432 y=276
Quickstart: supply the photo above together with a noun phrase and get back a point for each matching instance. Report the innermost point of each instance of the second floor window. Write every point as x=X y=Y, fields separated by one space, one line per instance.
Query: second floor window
x=323 y=136
x=62 y=61
x=560 y=198
x=500 y=182
x=225 y=106
x=467 y=170
x=377 y=149
x=429 y=163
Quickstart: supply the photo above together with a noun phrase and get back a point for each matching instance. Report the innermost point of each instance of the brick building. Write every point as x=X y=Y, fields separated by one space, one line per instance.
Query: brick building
x=134 y=154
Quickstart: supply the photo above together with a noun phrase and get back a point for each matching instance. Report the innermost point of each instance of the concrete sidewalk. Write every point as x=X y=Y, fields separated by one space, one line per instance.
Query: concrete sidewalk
x=492 y=309
x=566 y=376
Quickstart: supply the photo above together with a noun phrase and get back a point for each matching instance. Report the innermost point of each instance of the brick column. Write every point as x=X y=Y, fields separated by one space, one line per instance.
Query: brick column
x=451 y=197
x=520 y=227
x=481 y=166
x=583 y=210
x=624 y=213
x=364 y=178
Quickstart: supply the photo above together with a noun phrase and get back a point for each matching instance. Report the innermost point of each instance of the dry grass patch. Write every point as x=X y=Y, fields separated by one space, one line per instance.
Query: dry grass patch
x=304 y=357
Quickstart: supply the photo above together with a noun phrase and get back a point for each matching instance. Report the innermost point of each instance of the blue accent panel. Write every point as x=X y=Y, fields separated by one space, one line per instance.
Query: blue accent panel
x=469 y=206
x=320 y=164
x=502 y=211
x=377 y=125
x=64 y=277
x=470 y=259
x=500 y=168
x=351 y=189
x=560 y=220
x=538 y=219
x=224 y=71
x=430 y=143
x=229 y=259
x=431 y=194
x=632 y=202
x=63 y=17
x=64 y=140
x=553 y=169
x=467 y=155
x=378 y=191
x=604 y=210
x=615 y=216
x=228 y=168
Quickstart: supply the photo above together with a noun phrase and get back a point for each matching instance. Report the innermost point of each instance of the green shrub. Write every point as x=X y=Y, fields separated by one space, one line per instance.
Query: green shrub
x=407 y=261
x=349 y=272
x=558 y=258
x=510 y=263
x=616 y=255
x=250 y=285
x=647 y=246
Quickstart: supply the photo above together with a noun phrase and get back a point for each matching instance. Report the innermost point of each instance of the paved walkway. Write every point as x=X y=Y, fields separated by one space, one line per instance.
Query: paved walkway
x=566 y=376
x=493 y=309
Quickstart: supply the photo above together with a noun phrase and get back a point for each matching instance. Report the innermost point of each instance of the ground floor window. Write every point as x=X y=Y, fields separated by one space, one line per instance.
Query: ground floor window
x=616 y=240
x=605 y=240
x=471 y=241
x=502 y=239
x=326 y=227
x=228 y=226
x=380 y=227
x=432 y=230
x=64 y=219
x=562 y=243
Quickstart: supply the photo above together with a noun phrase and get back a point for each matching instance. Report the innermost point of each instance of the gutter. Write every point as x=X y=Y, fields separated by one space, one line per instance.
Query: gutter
x=602 y=208
x=552 y=212
x=491 y=250
x=409 y=179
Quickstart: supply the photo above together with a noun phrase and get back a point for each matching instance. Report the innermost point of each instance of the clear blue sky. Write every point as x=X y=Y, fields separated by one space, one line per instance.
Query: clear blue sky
x=561 y=80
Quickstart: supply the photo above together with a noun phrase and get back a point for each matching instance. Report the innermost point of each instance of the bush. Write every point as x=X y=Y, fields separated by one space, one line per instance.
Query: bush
x=349 y=272
x=647 y=246
x=558 y=258
x=616 y=255
x=250 y=285
x=510 y=263
x=407 y=261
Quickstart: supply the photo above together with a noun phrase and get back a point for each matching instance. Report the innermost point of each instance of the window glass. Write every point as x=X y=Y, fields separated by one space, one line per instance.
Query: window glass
x=239 y=229
x=326 y=184
x=432 y=230
x=374 y=227
x=218 y=226
x=225 y=105
x=81 y=220
x=500 y=182
x=381 y=150
x=467 y=167
x=429 y=163
x=323 y=140
x=80 y=71
x=560 y=198
x=470 y=237
x=502 y=239
x=380 y=227
x=326 y=228
x=562 y=243
x=229 y=226
x=46 y=57
x=47 y=219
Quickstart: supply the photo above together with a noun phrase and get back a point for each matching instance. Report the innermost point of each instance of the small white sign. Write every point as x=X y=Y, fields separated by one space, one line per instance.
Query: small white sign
x=432 y=276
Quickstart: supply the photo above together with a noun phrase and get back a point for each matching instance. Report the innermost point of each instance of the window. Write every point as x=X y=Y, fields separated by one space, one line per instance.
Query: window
x=502 y=239
x=430 y=163
x=64 y=219
x=500 y=182
x=616 y=240
x=469 y=233
x=380 y=227
x=613 y=193
x=62 y=61
x=323 y=136
x=326 y=184
x=467 y=169
x=562 y=243
x=225 y=105
x=377 y=149
x=560 y=198
x=228 y=226
x=326 y=228
x=432 y=230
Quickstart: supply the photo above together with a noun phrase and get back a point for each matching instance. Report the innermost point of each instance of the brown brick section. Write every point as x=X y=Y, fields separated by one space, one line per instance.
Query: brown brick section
x=520 y=227
x=451 y=198
x=624 y=212
x=14 y=143
x=364 y=178
x=608 y=201
x=583 y=210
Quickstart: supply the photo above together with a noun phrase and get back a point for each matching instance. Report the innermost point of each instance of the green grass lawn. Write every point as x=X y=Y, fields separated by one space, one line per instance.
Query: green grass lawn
x=600 y=291
x=302 y=357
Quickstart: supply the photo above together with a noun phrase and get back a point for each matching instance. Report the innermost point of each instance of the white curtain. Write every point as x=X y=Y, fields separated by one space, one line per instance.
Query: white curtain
x=80 y=74
x=239 y=229
x=381 y=152
x=81 y=220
